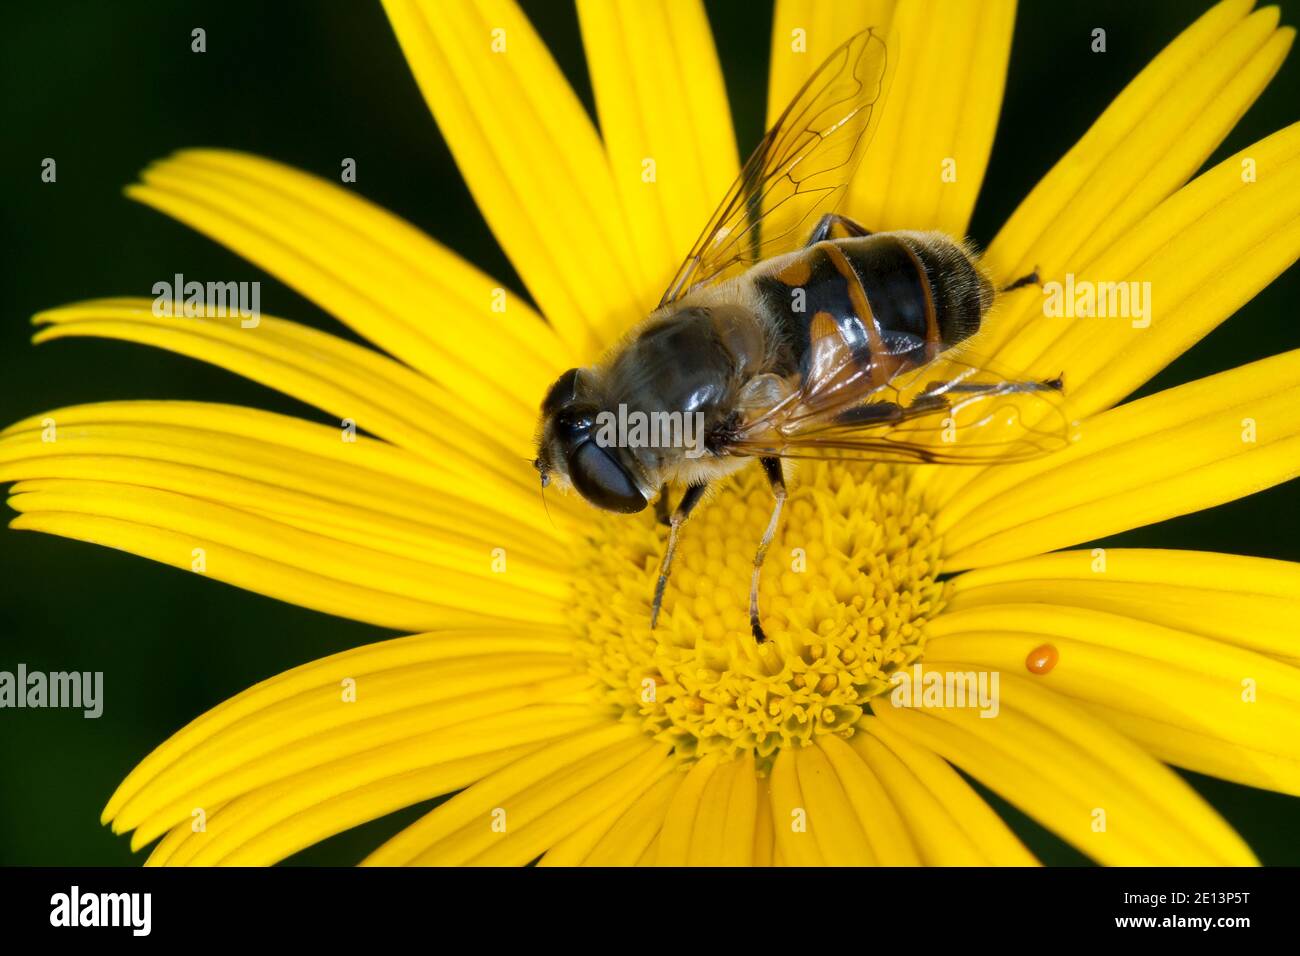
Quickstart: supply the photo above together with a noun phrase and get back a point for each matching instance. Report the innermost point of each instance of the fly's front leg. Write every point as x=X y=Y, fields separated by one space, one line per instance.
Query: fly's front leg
x=662 y=515
x=684 y=508
x=772 y=468
x=827 y=223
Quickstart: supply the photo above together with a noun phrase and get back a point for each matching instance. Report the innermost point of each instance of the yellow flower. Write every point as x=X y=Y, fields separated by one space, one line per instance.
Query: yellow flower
x=572 y=731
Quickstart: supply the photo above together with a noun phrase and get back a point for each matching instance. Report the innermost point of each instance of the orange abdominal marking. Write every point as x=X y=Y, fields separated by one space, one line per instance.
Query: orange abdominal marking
x=822 y=326
x=798 y=272
x=858 y=297
x=1042 y=659
x=831 y=356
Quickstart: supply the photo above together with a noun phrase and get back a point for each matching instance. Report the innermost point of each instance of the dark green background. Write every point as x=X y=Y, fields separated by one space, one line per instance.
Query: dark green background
x=106 y=87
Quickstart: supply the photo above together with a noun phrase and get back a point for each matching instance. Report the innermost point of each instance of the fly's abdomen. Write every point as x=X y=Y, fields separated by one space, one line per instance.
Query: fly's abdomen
x=897 y=299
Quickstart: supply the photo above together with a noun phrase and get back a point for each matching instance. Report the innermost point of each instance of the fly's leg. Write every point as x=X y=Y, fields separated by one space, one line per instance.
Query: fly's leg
x=891 y=413
x=689 y=500
x=1031 y=279
x=661 y=506
x=822 y=231
x=935 y=398
x=936 y=390
x=772 y=468
x=872 y=413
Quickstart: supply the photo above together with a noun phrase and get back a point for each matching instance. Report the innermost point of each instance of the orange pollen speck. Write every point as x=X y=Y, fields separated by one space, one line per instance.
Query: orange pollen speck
x=1042 y=659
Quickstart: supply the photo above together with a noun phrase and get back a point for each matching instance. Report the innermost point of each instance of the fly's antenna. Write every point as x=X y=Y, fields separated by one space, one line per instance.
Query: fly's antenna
x=545 y=506
x=546 y=480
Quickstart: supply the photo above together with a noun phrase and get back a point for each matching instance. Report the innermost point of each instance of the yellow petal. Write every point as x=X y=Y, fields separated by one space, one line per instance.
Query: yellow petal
x=891 y=844
x=741 y=818
x=1200 y=256
x=790 y=816
x=550 y=814
x=723 y=831
x=269 y=799
x=1173 y=115
x=248 y=571
x=666 y=124
x=322 y=726
x=650 y=855
x=531 y=158
x=222 y=530
x=765 y=849
x=1073 y=773
x=1252 y=603
x=926 y=161
x=683 y=811
x=479 y=428
x=804 y=32
x=462 y=827
x=375 y=272
x=1179 y=451
x=344 y=522
x=574 y=849
x=175 y=845
x=286 y=452
x=248 y=487
x=1210 y=754
x=832 y=817
x=267 y=825
x=357 y=753
x=1195 y=260
x=1242 y=701
x=321 y=677
x=636 y=831
x=949 y=823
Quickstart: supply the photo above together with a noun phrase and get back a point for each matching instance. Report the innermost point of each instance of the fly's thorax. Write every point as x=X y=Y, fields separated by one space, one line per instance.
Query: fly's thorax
x=672 y=384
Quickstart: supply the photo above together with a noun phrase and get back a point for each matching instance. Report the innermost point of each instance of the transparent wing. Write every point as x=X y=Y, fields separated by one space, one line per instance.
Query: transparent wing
x=958 y=409
x=799 y=171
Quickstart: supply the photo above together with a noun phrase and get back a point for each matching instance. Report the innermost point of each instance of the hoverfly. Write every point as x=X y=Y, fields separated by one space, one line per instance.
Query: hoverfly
x=794 y=332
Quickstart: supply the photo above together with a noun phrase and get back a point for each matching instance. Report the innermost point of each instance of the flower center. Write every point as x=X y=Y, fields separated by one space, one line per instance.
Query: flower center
x=847 y=587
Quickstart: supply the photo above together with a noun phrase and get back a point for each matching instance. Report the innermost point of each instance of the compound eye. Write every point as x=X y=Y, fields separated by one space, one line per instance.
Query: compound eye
x=572 y=425
x=603 y=481
x=564 y=390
